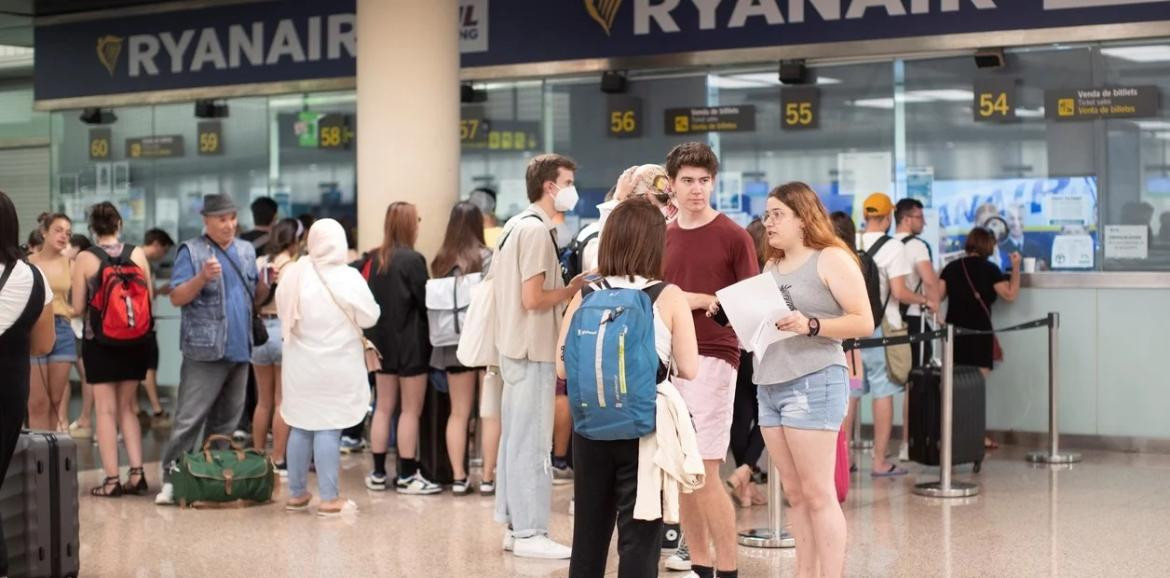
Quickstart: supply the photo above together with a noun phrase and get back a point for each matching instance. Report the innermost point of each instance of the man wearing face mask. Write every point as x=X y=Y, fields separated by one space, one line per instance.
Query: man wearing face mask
x=530 y=298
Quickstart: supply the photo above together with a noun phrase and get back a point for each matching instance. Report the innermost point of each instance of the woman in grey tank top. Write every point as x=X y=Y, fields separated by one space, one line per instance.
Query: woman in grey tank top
x=803 y=383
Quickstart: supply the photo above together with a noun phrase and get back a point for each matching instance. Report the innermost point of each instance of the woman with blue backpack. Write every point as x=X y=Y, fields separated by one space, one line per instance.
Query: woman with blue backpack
x=803 y=381
x=628 y=330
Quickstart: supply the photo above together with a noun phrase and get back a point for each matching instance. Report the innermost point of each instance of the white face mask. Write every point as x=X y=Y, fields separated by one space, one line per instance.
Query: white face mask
x=566 y=199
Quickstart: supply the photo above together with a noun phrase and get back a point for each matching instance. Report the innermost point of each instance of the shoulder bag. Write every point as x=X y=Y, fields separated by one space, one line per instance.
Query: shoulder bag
x=996 y=349
x=372 y=355
x=259 y=331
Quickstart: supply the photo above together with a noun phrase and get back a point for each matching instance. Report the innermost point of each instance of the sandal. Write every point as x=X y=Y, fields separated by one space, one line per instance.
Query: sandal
x=298 y=504
x=136 y=489
x=990 y=444
x=110 y=488
x=892 y=472
x=334 y=509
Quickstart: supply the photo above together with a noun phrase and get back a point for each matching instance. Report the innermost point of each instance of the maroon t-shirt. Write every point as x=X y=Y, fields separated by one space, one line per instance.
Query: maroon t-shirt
x=705 y=260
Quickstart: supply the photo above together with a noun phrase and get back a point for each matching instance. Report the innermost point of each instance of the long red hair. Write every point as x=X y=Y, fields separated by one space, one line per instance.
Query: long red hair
x=400 y=231
x=819 y=233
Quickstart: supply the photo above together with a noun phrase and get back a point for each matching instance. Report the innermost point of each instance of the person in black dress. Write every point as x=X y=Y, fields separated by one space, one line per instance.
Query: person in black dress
x=972 y=284
x=26 y=328
x=114 y=370
x=398 y=280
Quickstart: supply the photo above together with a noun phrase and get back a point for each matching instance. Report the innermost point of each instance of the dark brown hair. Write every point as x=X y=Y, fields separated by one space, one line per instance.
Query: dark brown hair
x=400 y=230
x=634 y=241
x=760 y=236
x=819 y=233
x=544 y=168
x=691 y=154
x=845 y=227
x=104 y=219
x=46 y=220
x=10 y=251
x=980 y=242
x=282 y=237
x=463 y=244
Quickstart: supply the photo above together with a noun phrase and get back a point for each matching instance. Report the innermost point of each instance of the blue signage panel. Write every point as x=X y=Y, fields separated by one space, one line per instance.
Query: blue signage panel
x=287 y=40
x=532 y=30
x=218 y=46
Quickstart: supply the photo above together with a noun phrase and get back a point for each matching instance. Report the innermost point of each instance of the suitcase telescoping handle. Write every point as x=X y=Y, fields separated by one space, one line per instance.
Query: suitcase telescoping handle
x=222 y=438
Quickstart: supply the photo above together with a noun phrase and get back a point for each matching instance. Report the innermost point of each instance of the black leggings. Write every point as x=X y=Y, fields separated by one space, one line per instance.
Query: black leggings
x=605 y=487
x=747 y=445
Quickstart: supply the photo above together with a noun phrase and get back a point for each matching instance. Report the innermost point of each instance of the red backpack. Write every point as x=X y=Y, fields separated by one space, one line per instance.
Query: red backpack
x=120 y=308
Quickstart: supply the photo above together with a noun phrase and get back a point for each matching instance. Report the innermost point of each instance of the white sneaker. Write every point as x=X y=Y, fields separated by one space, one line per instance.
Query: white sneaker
x=166 y=495
x=562 y=476
x=417 y=485
x=680 y=561
x=904 y=453
x=509 y=541
x=541 y=547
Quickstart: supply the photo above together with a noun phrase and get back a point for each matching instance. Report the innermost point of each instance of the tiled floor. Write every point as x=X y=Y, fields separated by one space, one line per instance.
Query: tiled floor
x=1109 y=516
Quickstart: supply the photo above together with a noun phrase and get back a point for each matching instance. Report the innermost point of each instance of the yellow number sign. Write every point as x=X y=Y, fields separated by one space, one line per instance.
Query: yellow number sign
x=208 y=142
x=798 y=114
x=330 y=136
x=99 y=148
x=993 y=104
x=622 y=122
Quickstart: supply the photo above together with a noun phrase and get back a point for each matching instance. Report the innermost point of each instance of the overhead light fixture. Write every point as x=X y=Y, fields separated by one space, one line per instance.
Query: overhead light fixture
x=98 y=116
x=756 y=80
x=1151 y=53
x=210 y=109
x=946 y=95
x=614 y=82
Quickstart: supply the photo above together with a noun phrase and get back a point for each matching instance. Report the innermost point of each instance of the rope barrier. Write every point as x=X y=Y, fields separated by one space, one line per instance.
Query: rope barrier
x=876 y=342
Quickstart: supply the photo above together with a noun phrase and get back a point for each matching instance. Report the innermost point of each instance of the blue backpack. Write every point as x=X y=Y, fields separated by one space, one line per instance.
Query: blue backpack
x=611 y=363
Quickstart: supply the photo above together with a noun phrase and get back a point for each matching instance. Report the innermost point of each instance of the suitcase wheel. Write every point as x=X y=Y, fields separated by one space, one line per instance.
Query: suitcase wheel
x=978 y=467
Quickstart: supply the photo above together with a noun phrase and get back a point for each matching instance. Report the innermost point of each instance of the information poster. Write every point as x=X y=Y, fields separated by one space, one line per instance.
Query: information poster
x=920 y=184
x=862 y=174
x=155 y=147
x=729 y=197
x=1127 y=242
x=1072 y=252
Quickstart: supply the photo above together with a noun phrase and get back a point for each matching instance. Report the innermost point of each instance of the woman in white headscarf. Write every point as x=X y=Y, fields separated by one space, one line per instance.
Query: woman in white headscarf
x=322 y=304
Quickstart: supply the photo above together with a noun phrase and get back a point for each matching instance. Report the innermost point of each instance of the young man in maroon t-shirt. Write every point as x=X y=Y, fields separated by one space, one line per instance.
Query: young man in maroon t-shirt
x=705 y=252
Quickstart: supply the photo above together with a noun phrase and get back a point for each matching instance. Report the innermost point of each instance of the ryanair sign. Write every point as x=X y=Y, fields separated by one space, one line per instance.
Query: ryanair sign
x=540 y=30
x=293 y=40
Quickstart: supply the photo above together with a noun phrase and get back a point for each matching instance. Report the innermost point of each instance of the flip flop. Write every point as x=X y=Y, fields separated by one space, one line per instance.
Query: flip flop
x=893 y=472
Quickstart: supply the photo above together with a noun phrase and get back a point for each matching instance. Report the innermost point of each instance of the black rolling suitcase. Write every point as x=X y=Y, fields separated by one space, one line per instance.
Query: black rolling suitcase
x=969 y=416
x=38 y=503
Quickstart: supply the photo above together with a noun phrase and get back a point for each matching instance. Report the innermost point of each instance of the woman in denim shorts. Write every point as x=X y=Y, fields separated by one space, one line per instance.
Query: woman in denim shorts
x=283 y=248
x=50 y=373
x=803 y=382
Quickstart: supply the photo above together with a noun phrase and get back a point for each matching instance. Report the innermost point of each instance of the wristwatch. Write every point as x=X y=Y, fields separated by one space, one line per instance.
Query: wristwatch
x=814 y=326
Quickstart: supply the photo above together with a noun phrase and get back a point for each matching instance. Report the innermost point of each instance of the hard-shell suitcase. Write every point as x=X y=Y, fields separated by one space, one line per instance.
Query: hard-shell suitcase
x=969 y=416
x=38 y=503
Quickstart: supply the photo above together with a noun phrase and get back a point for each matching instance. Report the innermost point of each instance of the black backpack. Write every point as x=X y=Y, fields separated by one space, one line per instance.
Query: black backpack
x=573 y=257
x=873 y=279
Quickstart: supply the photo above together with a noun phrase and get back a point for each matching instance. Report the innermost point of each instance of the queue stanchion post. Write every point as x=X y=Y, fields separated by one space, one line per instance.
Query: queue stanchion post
x=773 y=536
x=946 y=487
x=1054 y=455
x=858 y=443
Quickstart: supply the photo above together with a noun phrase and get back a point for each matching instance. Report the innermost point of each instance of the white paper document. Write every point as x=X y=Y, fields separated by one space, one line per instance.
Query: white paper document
x=753 y=306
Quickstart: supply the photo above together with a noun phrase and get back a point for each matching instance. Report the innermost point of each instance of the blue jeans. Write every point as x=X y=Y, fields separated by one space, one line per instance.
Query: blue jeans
x=320 y=447
x=524 y=470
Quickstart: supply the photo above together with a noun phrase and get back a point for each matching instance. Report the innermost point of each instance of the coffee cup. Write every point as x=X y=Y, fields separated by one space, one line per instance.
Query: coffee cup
x=1029 y=264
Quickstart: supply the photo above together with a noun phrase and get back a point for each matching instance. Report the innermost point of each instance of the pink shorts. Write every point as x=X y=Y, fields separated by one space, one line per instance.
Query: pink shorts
x=711 y=397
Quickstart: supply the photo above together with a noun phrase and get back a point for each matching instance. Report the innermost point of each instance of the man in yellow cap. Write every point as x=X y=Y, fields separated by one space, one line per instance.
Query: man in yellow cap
x=893 y=268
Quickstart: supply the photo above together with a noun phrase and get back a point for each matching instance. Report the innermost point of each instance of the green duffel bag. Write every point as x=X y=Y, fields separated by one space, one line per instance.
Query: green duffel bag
x=235 y=477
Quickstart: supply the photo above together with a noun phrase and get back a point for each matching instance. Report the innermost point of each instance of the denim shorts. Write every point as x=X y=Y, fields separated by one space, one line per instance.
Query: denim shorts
x=270 y=352
x=65 y=345
x=876 y=380
x=816 y=401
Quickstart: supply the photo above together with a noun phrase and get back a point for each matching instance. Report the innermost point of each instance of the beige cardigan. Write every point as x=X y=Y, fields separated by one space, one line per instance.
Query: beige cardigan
x=668 y=459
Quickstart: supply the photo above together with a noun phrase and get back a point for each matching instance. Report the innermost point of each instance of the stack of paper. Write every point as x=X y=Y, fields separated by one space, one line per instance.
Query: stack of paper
x=754 y=306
